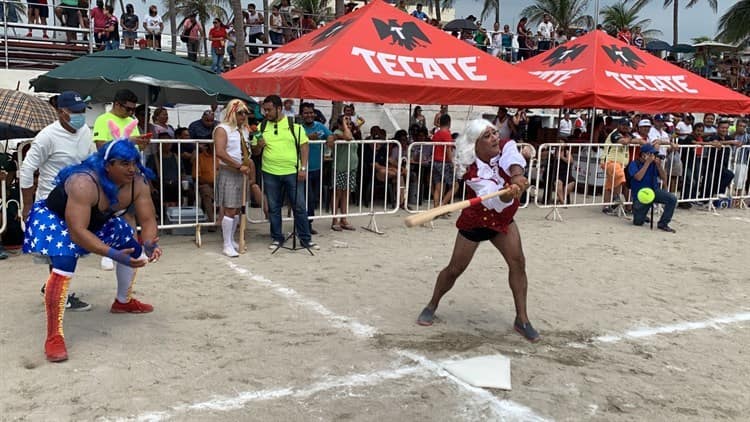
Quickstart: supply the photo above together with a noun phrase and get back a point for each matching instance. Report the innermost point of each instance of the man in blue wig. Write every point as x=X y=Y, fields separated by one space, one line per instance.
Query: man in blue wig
x=83 y=214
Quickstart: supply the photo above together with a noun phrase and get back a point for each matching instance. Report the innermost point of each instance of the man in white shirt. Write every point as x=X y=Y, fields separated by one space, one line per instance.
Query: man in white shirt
x=66 y=141
x=545 y=31
x=658 y=136
x=566 y=126
x=684 y=127
x=289 y=108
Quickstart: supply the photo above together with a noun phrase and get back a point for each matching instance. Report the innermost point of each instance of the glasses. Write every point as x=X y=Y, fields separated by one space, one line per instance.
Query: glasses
x=276 y=129
x=128 y=109
x=243 y=112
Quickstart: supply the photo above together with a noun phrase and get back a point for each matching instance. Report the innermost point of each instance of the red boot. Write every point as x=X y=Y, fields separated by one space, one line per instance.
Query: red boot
x=55 y=296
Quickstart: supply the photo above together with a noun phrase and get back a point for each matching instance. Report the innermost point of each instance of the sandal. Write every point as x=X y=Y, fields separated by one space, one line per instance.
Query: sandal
x=335 y=227
x=666 y=228
x=347 y=226
x=526 y=330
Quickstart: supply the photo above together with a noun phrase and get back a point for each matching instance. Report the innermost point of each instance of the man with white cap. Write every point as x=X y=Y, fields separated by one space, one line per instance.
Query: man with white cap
x=64 y=142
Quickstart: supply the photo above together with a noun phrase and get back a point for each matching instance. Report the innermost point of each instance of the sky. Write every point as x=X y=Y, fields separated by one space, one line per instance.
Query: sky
x=694 y=22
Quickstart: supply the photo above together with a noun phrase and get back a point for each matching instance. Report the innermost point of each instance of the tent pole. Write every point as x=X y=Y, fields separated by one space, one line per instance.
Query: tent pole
x=408 y=118
x=593 y=119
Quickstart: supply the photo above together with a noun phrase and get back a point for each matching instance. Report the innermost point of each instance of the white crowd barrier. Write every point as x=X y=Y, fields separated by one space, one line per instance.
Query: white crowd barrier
x=431 y=177
x=741 y=181
x=583 y=174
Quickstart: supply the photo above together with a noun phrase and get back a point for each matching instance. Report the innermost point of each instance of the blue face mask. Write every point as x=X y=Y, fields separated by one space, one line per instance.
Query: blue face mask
x=77 y=121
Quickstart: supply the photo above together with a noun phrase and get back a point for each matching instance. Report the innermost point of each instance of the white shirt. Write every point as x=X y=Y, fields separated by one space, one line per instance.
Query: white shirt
x=683 y=129
x=546 y=29
x=566 y=127
x=153 y=23
x=488 y=178
x=53 y=149
x=234 y=146
x=255 y=26
x=659 y=135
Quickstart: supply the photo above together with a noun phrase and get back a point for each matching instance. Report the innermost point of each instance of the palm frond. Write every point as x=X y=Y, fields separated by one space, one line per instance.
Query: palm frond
x=734 y=25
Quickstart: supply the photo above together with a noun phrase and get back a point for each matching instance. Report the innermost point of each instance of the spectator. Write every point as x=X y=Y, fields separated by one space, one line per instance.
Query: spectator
x=355 y=118
x=684 y=127
x=194 y=33
x=419 y=14
x=624 y=35
x=285 y=159
x=112 y=30
x=288 y=12
x=742 y=168
x=545 y=31
x=204 y=173
x=443 y=181
x=645 y=173
x=315 y=131
x=67 y=13
x=204 y=127
x=505 y=124
x=417 y=118
x=346 y=166
x=276 y=26
x=164 y=165
x=218 y=36
x=65 y=142
x=565 y=182
x=523 y=38
x=123 y=107
x=154 y=26
x=481 y=39
x=289 y=108
x=436 y=119
x=668 y=151
x=708 y=124
x=716 y=156
x=638 y=38
x=129 y=24
x=566 y=126
x=38 y=14
x=161 y=123
x=100 y=24
x=693 y=164
x=615 y=158
x=254 y=27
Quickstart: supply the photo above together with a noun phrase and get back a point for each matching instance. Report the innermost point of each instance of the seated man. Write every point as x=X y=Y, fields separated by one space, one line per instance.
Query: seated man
x=645 y=172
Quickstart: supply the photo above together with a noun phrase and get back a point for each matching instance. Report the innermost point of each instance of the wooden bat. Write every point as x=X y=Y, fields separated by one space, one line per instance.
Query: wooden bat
x=243 y=216
x=429 y=215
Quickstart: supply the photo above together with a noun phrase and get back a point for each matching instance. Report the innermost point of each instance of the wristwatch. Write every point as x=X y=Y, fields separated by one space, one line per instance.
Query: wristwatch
x=303 y=168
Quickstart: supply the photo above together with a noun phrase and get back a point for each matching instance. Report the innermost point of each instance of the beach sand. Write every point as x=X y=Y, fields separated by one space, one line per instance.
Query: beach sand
x=333 y=337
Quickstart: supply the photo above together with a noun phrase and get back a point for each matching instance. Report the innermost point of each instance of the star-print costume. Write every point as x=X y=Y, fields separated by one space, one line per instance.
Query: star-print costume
x=482 y=179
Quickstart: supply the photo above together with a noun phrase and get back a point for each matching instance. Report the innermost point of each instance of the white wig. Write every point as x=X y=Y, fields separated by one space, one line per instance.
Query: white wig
x=466 y=144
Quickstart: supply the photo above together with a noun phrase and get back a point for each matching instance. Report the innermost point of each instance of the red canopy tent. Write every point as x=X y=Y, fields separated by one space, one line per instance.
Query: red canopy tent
x=599 y=71
x=380 y=54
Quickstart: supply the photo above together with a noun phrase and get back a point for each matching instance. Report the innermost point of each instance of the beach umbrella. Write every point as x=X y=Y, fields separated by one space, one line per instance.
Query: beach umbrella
x=682 y=48
x=19 y=111
x=460 y=25
x=658 y=45
x=166 y=78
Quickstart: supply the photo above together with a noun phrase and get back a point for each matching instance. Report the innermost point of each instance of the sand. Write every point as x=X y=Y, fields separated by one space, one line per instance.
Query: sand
x=332 y=337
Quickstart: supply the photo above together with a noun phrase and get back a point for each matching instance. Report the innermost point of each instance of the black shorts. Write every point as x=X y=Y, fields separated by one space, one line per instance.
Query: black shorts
x=479 y=234
x=43 y=8
x=71 y=17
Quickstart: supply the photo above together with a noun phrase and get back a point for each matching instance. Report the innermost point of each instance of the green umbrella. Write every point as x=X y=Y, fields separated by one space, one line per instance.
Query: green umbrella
x=166 y=78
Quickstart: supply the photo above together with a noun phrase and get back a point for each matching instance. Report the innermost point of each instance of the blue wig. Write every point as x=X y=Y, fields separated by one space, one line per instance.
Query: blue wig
x=123 y=150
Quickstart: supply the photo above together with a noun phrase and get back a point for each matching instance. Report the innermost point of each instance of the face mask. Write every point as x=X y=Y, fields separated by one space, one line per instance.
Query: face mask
x=77 y=121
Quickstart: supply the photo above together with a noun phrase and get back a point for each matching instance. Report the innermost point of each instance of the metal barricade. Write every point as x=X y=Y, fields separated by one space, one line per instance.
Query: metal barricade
x=439 y=178
x=741 y=184
x=376 y=187
x=582 y=174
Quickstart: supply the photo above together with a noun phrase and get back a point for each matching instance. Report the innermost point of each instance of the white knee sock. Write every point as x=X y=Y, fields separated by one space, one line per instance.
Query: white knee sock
x=234 y=230
x=227 y=231
x=125 y=281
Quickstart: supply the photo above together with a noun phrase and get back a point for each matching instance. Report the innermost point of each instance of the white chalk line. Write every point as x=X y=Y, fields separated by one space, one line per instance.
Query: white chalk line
x=355 y=327
x=643 y=332
x=242 y=399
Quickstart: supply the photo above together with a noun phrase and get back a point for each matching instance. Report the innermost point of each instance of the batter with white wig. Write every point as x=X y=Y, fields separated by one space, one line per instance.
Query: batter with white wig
x=488 y=165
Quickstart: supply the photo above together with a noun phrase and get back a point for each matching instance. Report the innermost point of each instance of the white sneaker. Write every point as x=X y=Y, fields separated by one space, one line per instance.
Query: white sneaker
x=274 y=245
x=230 y=252
x=107 y=264
x=235 y=245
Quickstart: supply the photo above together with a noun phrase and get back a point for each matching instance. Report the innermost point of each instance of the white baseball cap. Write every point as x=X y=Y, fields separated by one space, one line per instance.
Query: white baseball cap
x=645 y=122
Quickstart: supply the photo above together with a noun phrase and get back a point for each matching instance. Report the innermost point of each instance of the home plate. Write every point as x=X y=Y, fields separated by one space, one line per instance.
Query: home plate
x=482 y=371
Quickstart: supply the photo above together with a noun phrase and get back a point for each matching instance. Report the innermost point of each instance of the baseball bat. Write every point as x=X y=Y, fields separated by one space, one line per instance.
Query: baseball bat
x=429 y=215
x=243 y=216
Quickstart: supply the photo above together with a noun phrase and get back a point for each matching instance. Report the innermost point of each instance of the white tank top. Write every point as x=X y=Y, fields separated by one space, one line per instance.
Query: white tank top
x=254 y=27
x=234 y=148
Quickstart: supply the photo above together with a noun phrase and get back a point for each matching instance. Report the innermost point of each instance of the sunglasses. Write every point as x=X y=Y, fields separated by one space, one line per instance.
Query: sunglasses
x=129 y=109
x=243 y=112
x=275 y=129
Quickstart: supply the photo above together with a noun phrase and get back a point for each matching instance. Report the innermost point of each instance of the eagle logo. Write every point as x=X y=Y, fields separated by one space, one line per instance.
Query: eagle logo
x=330 y=31
x=563 y=54
x=624 y=56
x=407 y=35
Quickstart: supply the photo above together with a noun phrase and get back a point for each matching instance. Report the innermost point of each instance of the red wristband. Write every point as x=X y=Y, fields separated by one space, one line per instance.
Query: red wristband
x=475 y=201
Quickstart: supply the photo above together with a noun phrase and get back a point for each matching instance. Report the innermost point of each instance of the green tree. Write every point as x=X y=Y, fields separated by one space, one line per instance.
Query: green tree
x=676 y=13
x=205 y=9
x=318 y=9
x=734 y=25
x=489 y=7
x=240 y=54
x=565 y=14
x=702 y=38
x=623 y=13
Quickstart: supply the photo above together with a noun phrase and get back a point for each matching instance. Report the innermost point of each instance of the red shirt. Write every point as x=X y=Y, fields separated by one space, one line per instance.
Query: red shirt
x=100 y=21
x=439 y=153
x=219 y=32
